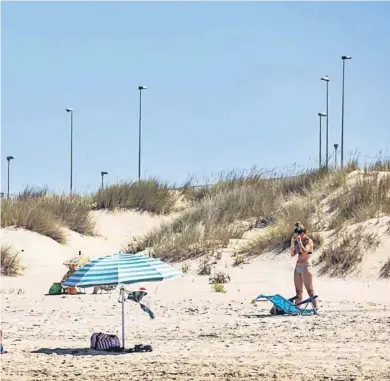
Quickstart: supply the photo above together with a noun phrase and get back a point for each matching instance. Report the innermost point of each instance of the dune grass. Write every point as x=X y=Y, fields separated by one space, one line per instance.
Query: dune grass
x=10 y=262
x=345 y=251
x=212 y=221
x=47 y=214
x=367 y=197
x=385 y=270
x=149 y=195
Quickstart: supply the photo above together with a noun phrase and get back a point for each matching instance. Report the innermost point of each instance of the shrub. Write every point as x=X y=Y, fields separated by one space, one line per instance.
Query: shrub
x=10 y=262
x=219 y=277
x=204 y=267
x=345 y=251
x=238 y=260
x=219 y=288
x=149 y=195
x=185 y=268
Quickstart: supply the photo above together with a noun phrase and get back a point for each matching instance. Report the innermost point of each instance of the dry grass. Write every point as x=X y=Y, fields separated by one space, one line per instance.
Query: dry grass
x=149 y=195
x=212 y=221
x=47 y=214
x=10 y=262
x=366 y=198
x=385 y=270
x=278 y=235
x=345 y=251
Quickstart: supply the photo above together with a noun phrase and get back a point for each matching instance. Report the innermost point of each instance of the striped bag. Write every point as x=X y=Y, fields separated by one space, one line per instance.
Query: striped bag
x=105 y=342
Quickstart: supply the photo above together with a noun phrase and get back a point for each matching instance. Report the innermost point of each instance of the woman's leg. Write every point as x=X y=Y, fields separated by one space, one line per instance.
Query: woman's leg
x=308 y=281
x=298 y=282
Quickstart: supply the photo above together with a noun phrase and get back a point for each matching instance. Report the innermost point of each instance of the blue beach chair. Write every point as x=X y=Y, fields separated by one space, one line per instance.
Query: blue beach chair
x=283 y=306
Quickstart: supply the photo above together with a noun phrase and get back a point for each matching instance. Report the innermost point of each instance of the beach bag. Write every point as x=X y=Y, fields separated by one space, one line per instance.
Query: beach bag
x=105 y=342
x=55 y=289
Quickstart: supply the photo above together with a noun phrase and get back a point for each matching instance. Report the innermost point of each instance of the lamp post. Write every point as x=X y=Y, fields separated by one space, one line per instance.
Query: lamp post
x=321 y=115
x=326 y=79
x=9 y=158
x=140 y=88
x=335 y=155
x=102 y=174
x=71 y=149
x=342 y=111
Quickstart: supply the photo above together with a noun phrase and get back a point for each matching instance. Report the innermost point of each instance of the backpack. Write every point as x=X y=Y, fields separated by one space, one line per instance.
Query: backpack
x=105 y=342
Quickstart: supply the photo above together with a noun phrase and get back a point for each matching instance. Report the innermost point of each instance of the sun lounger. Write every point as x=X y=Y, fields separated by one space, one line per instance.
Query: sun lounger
x=287 y=307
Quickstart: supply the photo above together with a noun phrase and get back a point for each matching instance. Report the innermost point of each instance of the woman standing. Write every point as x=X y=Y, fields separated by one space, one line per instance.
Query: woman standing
x=302 y=246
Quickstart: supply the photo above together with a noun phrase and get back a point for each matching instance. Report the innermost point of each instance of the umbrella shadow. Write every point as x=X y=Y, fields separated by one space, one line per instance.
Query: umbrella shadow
x=77 y=352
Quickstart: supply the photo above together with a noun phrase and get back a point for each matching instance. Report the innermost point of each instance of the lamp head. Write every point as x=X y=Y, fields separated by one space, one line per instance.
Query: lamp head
x=103 y=173
x=346 y=57
x=325 y=78
x=321 y=114
x=68 y=109
x=10 y=158
x=335 y=146
x=142 y=87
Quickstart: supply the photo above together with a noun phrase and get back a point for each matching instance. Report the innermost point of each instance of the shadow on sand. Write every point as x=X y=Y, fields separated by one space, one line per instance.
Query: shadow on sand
x=77 y=352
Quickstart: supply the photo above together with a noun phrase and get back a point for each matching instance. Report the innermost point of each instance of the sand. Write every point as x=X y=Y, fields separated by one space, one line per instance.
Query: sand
x=198 y=334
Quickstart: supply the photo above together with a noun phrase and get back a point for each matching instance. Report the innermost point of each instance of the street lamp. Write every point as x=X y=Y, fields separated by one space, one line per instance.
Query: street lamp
x=9 y=158
x=102 y=174
x=321 y=115
x=71 y=148
x=335 y=154
x=326 y=79
x=140 y=88
x=342 y=111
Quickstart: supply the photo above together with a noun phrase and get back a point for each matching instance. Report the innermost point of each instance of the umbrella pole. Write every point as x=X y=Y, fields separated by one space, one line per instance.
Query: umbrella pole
x=123 y=317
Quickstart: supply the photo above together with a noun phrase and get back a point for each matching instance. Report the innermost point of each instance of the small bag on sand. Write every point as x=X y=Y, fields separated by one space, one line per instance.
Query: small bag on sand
x=105 y=342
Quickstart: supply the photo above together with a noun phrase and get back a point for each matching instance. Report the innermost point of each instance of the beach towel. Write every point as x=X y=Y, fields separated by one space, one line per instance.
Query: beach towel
x=137 y=296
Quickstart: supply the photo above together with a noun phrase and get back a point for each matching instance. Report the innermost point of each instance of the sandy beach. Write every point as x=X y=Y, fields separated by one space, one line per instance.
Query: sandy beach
x=197 y=334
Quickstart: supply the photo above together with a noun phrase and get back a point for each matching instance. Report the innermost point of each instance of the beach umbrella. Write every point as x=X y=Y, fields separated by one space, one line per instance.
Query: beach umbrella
x=122 y=269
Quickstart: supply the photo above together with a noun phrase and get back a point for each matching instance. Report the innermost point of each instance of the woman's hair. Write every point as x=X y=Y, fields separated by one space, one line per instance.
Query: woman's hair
x=299 y=228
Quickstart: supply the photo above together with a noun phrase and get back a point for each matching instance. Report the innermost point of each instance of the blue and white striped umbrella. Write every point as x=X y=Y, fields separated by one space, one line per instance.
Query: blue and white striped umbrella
x=122 y=269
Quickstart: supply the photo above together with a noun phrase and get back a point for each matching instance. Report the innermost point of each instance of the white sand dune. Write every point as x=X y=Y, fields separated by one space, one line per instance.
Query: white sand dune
x=198 y=334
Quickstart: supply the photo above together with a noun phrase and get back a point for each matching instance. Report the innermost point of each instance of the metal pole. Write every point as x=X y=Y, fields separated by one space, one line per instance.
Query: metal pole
x=102 y=181
x=320 y=153
x=9 y=161
x=139 y=135
x=342 y=118
x=71 y=152
x=327 y=123
x=123 y=316
x=335 y=157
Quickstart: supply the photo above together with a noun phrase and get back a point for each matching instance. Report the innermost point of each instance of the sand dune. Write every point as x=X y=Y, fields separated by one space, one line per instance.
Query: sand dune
x=198 y=334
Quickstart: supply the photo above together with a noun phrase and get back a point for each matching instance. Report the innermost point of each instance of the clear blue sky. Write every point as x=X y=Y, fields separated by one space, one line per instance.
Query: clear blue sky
x=231 y=85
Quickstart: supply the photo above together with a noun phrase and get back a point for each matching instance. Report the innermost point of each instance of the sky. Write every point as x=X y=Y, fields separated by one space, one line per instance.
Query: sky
x=231 y=85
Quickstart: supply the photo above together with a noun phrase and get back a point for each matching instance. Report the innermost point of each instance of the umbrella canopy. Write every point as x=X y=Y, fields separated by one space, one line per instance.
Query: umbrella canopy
x=122 y=269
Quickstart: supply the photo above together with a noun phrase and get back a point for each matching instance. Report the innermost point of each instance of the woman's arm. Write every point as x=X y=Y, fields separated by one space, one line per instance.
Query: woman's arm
x=308 y=249
x=292 y=247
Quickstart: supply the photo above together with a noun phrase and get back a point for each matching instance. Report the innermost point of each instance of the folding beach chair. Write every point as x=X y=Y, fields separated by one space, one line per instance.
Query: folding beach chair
x=287 y=307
